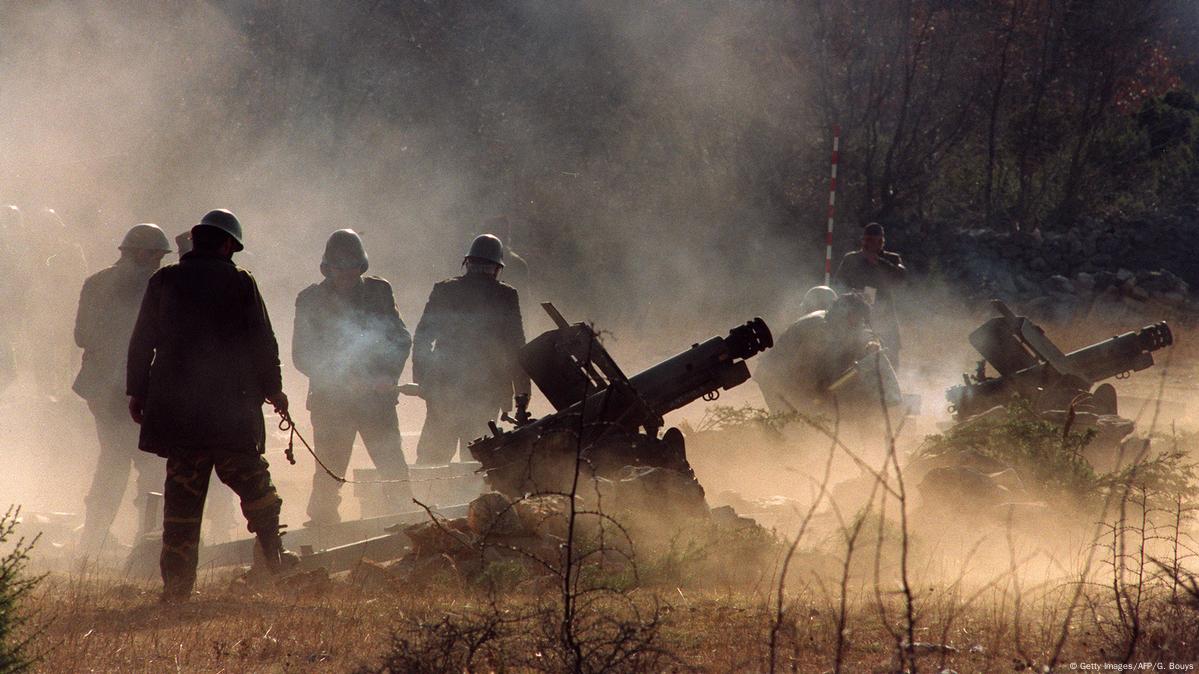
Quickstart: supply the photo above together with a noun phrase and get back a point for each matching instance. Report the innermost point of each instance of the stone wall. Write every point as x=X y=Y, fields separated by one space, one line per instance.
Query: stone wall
x=1122 y=267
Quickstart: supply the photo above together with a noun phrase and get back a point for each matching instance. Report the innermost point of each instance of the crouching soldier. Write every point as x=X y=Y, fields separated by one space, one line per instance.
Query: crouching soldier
x=108 y=306
x=828 y=362
x=202 y=360
x=352 y=344
x=465 y=354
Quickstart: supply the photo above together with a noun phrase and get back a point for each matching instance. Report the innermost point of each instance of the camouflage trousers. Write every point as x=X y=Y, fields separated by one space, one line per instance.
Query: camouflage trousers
x=246 y=473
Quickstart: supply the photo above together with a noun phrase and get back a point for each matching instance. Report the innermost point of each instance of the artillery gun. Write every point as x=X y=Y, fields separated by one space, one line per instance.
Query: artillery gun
x=1032 y=367
x=605 y=419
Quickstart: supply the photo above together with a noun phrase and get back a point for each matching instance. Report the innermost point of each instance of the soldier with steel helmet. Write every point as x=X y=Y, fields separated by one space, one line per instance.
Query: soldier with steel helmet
x=465 y=354
x=202 y=360
x=108 y=306
x=351 y=343
x=826 y=360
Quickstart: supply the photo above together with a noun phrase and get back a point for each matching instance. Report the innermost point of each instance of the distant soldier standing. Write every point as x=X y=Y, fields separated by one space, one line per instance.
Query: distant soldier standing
x=875 y=273
x=465 y=354
x=351 y=343
x=108 y=307
x=202 y=359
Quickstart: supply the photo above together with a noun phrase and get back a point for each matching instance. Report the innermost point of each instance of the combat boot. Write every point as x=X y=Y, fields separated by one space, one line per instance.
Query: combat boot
x=275 y=558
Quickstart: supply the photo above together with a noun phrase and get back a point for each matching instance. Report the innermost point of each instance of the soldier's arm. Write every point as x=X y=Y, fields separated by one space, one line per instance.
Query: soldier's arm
x=893 y=265
x=264 y=347
x=427 y=331
x=839 y=281
x=303 y=349
x=143 y=342
x=516 y=341
x=399 y=340
x=85 y=317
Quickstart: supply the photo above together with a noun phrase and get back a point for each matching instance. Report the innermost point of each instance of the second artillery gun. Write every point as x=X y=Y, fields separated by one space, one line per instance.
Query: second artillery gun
x=603 y=418
x=1032 y=367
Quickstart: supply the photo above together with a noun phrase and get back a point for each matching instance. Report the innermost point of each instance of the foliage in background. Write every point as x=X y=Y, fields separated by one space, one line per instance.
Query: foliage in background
x=1017 y=113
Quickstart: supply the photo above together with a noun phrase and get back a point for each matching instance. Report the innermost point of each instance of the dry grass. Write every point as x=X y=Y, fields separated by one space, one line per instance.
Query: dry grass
x=102 y=626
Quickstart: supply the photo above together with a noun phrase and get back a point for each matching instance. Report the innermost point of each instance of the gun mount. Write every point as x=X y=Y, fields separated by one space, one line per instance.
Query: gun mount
x=1030 y=366
x=614 y=419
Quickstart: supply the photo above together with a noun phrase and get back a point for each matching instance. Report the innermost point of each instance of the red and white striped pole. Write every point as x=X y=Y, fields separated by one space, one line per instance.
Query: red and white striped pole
x=832 y=207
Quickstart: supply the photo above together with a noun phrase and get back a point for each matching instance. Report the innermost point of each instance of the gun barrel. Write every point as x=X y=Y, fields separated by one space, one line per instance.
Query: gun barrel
x=718 y=363
x=1128 y=352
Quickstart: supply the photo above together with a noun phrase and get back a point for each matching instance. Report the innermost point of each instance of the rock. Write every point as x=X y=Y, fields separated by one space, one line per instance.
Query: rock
x=661 y=491
x=1105 y=424
x=725 y=517
x=1084 y=283
x=493 y=514
x=1104 y=280
x=961 y=488
x=371 y=576
x=545 y=516
x=307 y=583
x=1059 y=284
x=452 y=537
x=1124 y=276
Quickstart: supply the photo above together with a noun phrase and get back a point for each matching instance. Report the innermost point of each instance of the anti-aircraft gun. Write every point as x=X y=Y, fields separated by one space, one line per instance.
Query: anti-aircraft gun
x=613 y=419
x=1030 y=366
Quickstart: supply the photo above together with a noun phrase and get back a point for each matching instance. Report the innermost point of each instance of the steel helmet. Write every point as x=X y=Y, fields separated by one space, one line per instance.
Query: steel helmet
x=818 y=298
x=487 y=248
x=184 y=242
x=146 y=236
x=225 y=221
x=344 y=250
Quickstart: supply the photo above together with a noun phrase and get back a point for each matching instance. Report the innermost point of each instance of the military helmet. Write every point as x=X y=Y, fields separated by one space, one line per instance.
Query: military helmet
x=487 y=248
x=344 y=250
x=225 y=221
x=818 y=298
x=146 y=236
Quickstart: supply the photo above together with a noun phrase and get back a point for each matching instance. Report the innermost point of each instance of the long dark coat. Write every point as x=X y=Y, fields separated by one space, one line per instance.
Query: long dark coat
x=468 y=342
x=108 y=307
x=203 y=357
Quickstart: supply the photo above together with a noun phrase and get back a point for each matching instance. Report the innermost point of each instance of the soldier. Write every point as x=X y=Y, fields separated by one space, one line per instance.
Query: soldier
x=351 y=343
x=108 y=307
x=826 y=354
x=465 y=354
x=875 y=273
x=202 y=359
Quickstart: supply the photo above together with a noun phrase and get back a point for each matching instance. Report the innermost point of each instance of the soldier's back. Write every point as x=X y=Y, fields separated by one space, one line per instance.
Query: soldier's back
x=471 y=306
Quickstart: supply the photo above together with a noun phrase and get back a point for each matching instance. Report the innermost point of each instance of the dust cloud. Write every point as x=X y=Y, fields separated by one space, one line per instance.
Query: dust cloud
x=622 y=143
x=637 y=152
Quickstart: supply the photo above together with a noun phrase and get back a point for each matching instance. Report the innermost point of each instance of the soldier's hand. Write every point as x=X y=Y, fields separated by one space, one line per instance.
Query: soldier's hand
x=136 y=409
x=522 y=409
x=279 y=402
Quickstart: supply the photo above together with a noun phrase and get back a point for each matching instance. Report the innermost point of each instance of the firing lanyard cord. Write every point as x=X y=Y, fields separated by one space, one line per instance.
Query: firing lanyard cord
x=288 y=426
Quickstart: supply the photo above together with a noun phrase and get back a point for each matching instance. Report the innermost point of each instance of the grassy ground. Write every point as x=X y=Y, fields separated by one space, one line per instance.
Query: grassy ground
x=99 y=625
